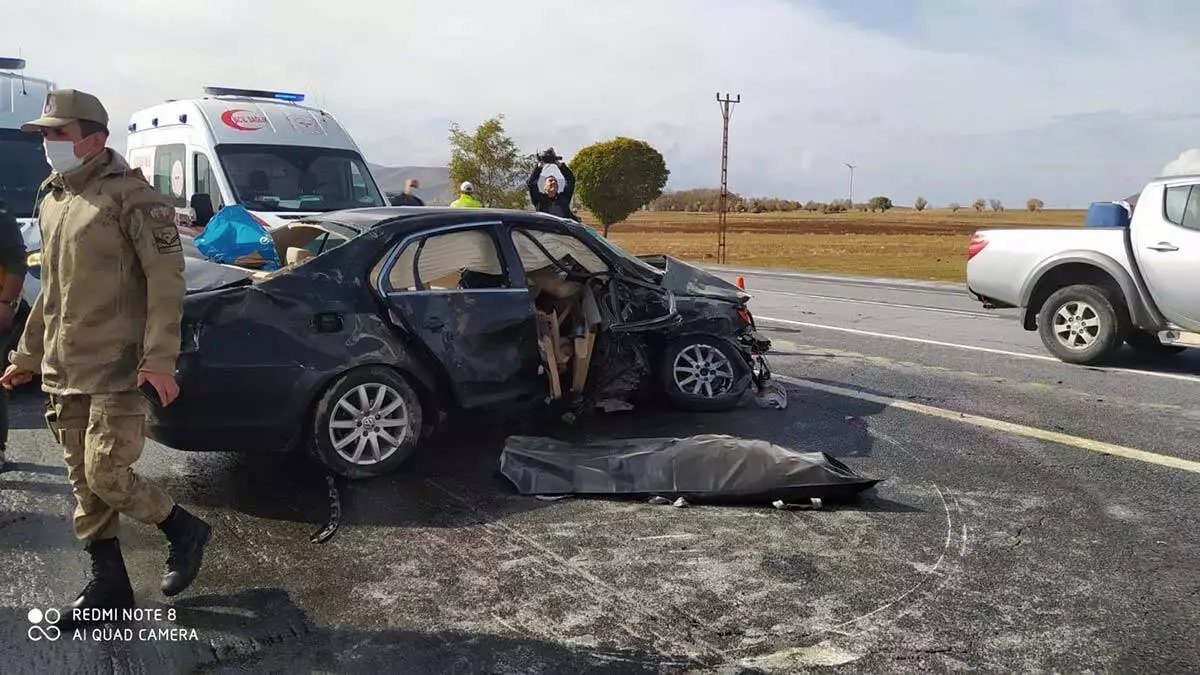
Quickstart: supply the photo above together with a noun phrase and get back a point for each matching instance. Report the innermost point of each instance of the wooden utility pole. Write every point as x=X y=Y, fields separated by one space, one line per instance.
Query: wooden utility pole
x=726 y=110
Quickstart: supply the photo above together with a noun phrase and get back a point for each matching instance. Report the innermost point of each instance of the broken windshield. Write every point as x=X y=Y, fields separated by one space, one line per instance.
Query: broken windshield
x=21 y=172
x=298 y=178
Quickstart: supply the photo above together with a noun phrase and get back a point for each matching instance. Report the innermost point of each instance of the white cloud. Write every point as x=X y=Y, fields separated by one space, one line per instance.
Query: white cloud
x=1188 y=162
x=972 y=102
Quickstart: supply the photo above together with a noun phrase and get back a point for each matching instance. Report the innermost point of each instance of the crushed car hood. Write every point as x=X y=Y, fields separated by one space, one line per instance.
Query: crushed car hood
x=706 y=468
x=687 y=280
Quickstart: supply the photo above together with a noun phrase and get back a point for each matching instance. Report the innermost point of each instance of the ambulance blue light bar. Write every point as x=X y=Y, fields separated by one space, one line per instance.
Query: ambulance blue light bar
x=11 y=64
x=254 y=93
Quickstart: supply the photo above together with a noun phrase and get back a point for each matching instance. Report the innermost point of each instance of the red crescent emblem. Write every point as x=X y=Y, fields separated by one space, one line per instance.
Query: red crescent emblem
x=243 y=120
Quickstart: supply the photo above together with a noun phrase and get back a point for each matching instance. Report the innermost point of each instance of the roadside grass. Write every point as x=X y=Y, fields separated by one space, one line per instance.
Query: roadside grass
x=901 y=243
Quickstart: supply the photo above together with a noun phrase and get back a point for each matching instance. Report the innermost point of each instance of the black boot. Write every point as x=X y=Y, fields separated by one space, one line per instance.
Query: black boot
x=187 y=535
x=109 y=588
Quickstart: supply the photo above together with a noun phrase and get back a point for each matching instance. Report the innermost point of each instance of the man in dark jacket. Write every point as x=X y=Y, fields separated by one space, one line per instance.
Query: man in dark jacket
x=407 y=198
x=12 y=275
x=550 y=199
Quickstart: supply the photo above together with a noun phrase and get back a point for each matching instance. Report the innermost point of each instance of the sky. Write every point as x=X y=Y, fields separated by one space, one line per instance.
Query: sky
x=1070 y=101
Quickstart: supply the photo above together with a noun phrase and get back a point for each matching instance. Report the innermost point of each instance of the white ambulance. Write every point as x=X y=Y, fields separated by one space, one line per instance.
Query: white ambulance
x=260 y=149
x=23 y=164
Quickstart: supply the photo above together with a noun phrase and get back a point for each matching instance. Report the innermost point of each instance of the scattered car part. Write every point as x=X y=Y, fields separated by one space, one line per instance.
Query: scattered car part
x=335 y=514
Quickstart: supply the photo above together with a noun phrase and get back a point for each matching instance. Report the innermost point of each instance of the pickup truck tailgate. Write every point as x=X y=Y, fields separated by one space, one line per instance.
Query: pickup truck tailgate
x=1005 y=260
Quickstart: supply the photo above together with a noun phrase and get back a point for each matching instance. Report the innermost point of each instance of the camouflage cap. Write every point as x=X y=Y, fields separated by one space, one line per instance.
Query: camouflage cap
x=64 y=106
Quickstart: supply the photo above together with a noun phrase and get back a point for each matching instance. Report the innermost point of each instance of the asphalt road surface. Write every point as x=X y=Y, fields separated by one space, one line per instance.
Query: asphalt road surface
x=1032 y=515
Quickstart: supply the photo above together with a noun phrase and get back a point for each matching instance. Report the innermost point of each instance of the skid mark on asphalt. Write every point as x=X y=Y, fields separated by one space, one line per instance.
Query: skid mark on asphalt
x=987 y=350
x=602 y=591
x=1000 y=425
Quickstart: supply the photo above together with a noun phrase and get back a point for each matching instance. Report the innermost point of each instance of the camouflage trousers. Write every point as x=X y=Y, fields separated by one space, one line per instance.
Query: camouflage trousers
x=102 y=436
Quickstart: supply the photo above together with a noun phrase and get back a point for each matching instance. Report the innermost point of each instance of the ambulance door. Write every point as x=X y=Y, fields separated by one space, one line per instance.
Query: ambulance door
x=204 y=182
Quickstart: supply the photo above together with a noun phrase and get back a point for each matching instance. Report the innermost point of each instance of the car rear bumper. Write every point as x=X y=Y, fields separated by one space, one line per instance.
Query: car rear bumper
x=208 y=438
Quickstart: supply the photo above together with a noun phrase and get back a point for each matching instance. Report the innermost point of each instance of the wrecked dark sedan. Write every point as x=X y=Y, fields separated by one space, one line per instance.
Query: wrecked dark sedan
x=384 y=321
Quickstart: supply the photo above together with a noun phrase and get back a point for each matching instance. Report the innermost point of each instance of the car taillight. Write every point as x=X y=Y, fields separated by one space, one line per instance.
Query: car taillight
x=745 y=314
x=978 y=241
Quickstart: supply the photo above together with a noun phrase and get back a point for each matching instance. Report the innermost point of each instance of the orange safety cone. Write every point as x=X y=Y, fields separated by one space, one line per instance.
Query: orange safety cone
x=741 y=283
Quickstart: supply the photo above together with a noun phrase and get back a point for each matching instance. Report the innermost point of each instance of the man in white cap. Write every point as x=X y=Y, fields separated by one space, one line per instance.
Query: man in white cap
x=466 y=197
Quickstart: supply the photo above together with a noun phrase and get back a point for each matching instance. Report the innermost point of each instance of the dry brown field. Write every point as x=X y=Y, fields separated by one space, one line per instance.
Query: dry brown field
x=905 y=243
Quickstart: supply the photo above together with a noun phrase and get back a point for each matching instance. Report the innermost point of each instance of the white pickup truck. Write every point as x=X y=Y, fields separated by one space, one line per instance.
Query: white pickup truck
x=1089 y=290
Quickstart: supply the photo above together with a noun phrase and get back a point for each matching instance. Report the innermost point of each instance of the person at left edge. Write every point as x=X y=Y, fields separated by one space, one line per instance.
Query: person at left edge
x=107 y=320
x=12 y=272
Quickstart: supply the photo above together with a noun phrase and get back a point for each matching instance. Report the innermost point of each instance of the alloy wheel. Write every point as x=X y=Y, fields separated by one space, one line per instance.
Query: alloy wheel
x=368 y=424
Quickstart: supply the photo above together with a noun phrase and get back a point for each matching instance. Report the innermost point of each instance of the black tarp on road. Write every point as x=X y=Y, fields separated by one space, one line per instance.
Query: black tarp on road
x=707 y=468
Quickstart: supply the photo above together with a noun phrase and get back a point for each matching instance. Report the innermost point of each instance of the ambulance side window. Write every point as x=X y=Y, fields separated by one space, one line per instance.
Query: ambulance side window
x=358 y=184
x=205 y=182
x=170 y=174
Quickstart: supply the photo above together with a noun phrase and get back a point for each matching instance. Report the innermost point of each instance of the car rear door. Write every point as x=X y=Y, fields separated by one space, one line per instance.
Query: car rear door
x=1166 y=242
x=454 y=290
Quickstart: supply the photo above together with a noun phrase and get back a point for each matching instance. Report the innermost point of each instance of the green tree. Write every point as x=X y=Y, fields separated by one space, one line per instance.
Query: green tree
x=615 y=178
x=879 y=204
x=492 y=162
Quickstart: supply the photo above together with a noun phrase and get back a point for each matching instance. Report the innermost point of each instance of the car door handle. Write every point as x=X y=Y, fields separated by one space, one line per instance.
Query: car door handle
x=434 y=324
x=1163 y=246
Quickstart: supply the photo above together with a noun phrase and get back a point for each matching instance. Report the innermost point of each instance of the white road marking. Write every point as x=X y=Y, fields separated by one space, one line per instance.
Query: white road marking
x=924 y=308
x=988 y=350
x=1000 y=425
x=889 y=282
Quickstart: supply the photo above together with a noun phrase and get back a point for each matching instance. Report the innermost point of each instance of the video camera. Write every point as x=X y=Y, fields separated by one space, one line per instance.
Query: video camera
x=548 y=156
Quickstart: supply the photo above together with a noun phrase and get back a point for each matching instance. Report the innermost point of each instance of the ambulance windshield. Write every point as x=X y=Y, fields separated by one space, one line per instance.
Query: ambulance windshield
x=22 y=170
x=298 y=178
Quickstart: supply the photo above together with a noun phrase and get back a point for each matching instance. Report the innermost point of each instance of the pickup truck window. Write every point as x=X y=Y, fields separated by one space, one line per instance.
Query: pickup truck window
x=1182 y=206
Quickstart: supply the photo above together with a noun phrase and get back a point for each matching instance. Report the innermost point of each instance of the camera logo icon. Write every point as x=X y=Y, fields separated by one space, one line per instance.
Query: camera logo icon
x=50 y=632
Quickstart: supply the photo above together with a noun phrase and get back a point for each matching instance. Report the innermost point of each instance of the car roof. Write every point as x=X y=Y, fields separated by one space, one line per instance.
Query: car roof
x=367 y=218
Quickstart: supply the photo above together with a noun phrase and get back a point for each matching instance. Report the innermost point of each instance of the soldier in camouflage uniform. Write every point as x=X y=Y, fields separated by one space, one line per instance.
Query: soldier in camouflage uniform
x=106 y=321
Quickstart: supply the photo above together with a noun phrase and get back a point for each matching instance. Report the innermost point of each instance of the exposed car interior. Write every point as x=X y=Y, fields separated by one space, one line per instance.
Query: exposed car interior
x=562 y=274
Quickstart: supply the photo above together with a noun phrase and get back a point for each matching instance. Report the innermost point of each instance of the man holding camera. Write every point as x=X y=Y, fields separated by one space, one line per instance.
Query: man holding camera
x=550 y=199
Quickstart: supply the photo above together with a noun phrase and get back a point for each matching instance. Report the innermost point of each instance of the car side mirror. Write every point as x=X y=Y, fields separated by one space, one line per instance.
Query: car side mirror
x=202 y=206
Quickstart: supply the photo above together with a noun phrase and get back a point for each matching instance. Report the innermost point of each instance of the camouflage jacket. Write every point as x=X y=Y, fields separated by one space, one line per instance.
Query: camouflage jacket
x=112 y=282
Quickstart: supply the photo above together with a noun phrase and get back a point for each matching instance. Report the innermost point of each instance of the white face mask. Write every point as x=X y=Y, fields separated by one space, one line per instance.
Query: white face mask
x=61 y=155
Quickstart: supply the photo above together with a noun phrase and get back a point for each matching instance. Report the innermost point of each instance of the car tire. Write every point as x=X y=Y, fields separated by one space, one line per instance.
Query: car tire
x=704 y=357
x=1083 y=324
x=342 y=426
x=1147 y=344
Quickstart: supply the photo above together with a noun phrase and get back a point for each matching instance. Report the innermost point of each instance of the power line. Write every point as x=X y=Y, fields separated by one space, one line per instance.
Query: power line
x=726 y=111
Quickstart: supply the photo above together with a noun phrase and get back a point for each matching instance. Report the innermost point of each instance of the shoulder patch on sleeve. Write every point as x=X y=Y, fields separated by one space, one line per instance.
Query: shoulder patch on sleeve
x=166 y=239
x=162 y=212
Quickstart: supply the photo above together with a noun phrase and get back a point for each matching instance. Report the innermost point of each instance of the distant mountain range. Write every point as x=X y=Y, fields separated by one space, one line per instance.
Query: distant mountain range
x=435 y=187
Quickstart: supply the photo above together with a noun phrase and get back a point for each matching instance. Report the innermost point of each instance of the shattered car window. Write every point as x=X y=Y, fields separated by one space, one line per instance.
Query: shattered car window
x=456 y=260
x=561 y=246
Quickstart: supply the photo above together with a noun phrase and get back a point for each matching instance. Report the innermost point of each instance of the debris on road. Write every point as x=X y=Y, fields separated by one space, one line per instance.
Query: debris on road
x=335 y=514
x=711 y=468
x=772 y=395
x=814 y=503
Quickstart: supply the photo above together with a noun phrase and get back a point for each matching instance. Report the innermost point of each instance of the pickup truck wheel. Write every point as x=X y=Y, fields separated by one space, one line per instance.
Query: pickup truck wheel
x=1083 y=324
x=1147 y=344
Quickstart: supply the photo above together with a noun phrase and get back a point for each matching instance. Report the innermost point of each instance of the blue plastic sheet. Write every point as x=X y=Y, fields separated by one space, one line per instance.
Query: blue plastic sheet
x=232 y=234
